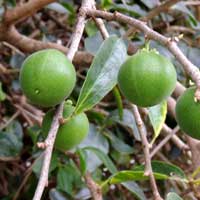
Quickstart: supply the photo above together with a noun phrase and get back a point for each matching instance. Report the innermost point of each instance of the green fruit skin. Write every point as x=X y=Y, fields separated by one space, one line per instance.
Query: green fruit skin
x=188 y=113
x=69 y=134
x=147 y=78
x=47 y=77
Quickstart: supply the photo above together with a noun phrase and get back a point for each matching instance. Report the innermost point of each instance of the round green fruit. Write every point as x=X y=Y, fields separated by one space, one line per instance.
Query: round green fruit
x=147 y=78
x=47 y=77
x=69 y=134
x=188 y=113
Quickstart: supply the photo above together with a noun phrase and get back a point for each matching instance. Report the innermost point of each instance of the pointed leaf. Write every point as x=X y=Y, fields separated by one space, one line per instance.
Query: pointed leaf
x=173 y=196
x=157 y=115
x=104 y=158
x=102 y=75
x=2 y=94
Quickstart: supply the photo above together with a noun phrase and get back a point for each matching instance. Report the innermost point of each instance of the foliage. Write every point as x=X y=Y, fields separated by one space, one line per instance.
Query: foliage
x=112 y=152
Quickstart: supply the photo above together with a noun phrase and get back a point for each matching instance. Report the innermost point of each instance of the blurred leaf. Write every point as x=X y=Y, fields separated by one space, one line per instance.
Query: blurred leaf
x=157 y=115
x=180 y=6
x=104 y=158
x=102 y=75
x=173 y=196
x=17 y=60
x=119 y=102
x=97 y=140
x=11 y=140
x=54 y=194
x=39 y=161
x=118 y=144
x=58 y=8
x=82 y=158
x=106 y=3
x=2 y=94
x=128 y=120
x=33 y=132
x=91 y=30
x=133 y=10
x=135 y=189
x=164 y=169
x=150 y=3
x=68 y=177
x=83 y=194
x=93 y=43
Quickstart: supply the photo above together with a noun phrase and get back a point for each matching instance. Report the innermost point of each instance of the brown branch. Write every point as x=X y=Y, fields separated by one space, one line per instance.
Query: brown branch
x=148 y=167
x=20 y=12
x=161 y=8
x=49 y=142
x=190 y=68
x=28 y=45
x=164 y=141
x=93 y=187
x=154 y=12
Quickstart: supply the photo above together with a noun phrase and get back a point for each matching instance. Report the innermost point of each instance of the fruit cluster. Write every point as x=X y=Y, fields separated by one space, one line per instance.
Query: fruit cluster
x=47 y=77
x=147 y=78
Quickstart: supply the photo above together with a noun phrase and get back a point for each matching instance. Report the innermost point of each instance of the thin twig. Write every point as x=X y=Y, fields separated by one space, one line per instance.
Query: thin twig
x=154 y=12
x=148 y=167
x=189 y=68
x=22 y=11
x=163 y=142
x=10 y=120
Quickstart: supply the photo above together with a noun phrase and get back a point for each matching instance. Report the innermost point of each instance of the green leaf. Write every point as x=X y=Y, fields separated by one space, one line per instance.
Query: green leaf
x=82 y=158
x=173 y=196
x=127 y=121
x=119 y=102
x=54 y=194
x=157 y=115
x=97 y=140
x=102 y=75
x=165 y=169
x=118 y=144
x=128 y=175
x=104 y=158
x=39 y=161
x=2 y=94
x=68 y=177
x=135 y=189
x=11 y=140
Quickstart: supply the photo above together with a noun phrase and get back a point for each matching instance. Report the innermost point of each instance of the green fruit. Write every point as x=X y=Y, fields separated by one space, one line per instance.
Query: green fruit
x=69 y=134
x=47 y=77
x=188 y=113
x=147 y=78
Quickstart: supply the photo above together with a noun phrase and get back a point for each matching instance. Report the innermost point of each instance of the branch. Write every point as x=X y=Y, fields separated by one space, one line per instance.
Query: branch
x=18 y=13
x=190 y=68
x=154 y=12
x=28 y=45
x=148 y=167
x=49 y=142
x=93 y=187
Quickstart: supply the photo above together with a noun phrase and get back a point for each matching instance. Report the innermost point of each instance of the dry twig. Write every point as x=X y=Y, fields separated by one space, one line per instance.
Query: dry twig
x=148 y=167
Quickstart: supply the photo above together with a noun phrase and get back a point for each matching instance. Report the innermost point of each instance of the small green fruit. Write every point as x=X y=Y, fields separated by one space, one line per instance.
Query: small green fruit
x=69 y=134
x=147 y=78
x=47 y=77
x=188 y=113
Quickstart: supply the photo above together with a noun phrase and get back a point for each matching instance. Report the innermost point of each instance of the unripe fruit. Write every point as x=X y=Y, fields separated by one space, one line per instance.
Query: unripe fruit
x=147 y=78
x=47 y=77
x=69 y=134
x=188 y=113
